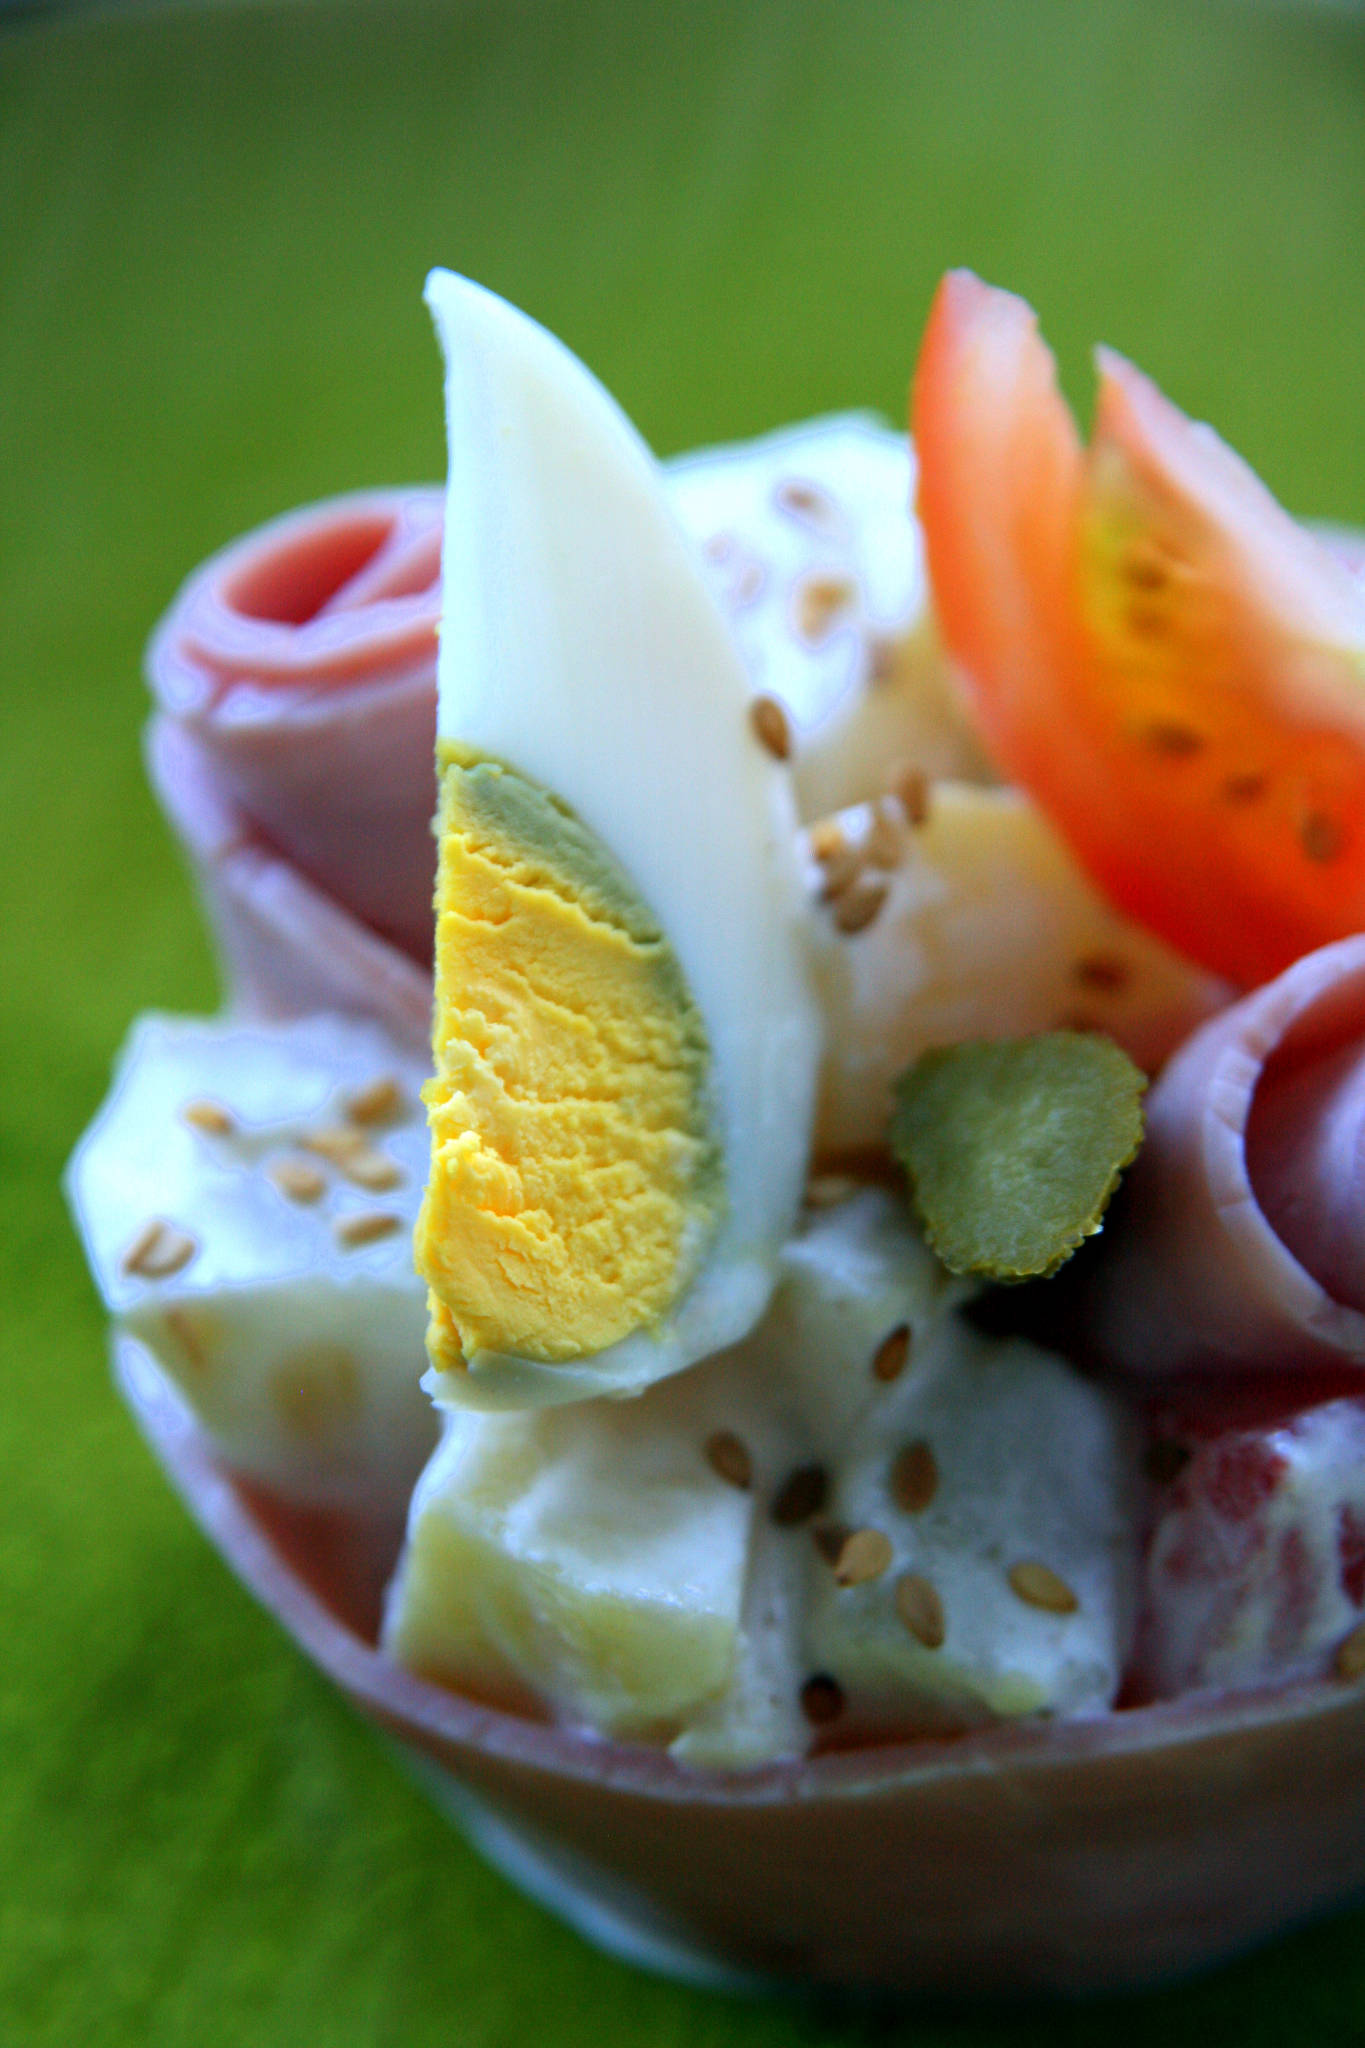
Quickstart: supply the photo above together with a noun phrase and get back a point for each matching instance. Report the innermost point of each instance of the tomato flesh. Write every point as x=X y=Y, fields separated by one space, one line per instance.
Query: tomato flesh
x=1169 y=663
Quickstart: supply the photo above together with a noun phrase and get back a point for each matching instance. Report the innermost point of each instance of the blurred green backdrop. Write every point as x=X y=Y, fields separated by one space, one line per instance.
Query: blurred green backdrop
x=214 y=226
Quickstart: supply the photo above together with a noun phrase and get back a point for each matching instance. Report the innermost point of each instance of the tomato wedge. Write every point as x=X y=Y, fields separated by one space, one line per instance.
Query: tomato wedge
x=1156 y=650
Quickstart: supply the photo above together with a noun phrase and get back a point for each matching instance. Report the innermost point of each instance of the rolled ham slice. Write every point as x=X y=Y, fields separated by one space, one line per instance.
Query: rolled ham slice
x=287 y=948
x=1240 y=1244
x=301 y=660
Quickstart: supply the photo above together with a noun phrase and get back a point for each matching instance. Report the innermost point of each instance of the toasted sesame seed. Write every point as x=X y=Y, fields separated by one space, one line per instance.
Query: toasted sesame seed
x=203 y=1115
x=883 y=658
x=890 y=1357
x=746 y=586
x=914 y=1477
x=1245 y=786
x=1038 y=1586
x=819 y=601
x=829 y=1190
x=829 y=1539
x=1321 y=836
x=859 y=904
x=807 y=504
x=1165 y=1460
x=187 y=1336
x=884 y=846
x=827 y=839
x=920 y=1610
x=381 y=1101
x=728 y=1457
x=772 y=727
x=1146 y=572
x=1103 y=971
x=842 y=870
x=864 y=1554
x=1146 y=621
x=336 y=1143
x=1168 y=737
x=159 y=1249
x=802 y=1494
x=912 y=788
x=1349 y=1662
x=298 y=1180
x=822 y=1699
x=366 y=1226
x=373 y=1170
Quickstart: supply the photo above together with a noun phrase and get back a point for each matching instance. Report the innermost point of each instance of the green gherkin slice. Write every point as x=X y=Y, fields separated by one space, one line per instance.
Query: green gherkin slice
x=1014 y=1148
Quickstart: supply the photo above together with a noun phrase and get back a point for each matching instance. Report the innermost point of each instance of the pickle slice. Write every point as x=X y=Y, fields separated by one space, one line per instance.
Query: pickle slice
x=1014 y=1147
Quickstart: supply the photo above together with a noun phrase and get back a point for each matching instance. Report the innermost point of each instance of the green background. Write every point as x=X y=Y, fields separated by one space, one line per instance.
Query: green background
x=213 y=231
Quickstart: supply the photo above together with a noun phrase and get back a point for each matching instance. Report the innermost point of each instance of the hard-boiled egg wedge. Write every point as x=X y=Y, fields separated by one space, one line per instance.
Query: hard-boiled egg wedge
x=969 y=918
x=246 y=1197
x=744 y=1553
x=812 y=545
x=625 y=1037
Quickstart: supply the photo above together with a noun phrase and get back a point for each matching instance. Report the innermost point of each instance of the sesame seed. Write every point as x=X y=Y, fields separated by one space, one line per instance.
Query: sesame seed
x=771 y=726
x=366 y=1226
x=863 y=1555
x=158 y=1250
x=822 y=1699
x=829 y=1539
x=1146 y=621
x=728 y=1457
x=829 y=1190
x=920 y=1610
x=807 y=504
x=1146 y=572
x=1321 y=836
x=889 y=1359
x=719 y=547
x=827 y=839
x=859 y=904
x=801 y=1495
x=335 y=1143
x=373 y=1170
x=211 y=1117
x=297 y=1180
x=746 y=586
x=912 y=788
x=883 y=658
x=842 y=870
x=1349 y=1662
x=819 y=601
x=914 y=1477
x=380 y=1102
x=884 y=845
x=187 y=1336
x=1103 y=971
x=1038 y=1586
x=1168 y=737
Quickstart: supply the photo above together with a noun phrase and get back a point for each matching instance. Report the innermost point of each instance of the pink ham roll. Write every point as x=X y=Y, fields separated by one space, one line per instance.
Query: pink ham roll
x=302 y=662
x=1240 y=1242
x=287 y=948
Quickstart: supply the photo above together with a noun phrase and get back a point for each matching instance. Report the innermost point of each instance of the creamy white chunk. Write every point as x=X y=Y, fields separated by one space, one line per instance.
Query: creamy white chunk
x=671 y=1566
x=814 y=552
x=974 y=923
x=246 y=1197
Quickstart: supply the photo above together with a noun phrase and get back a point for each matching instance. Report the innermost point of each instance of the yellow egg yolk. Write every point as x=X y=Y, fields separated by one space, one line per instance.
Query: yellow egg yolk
x=575 y=1175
